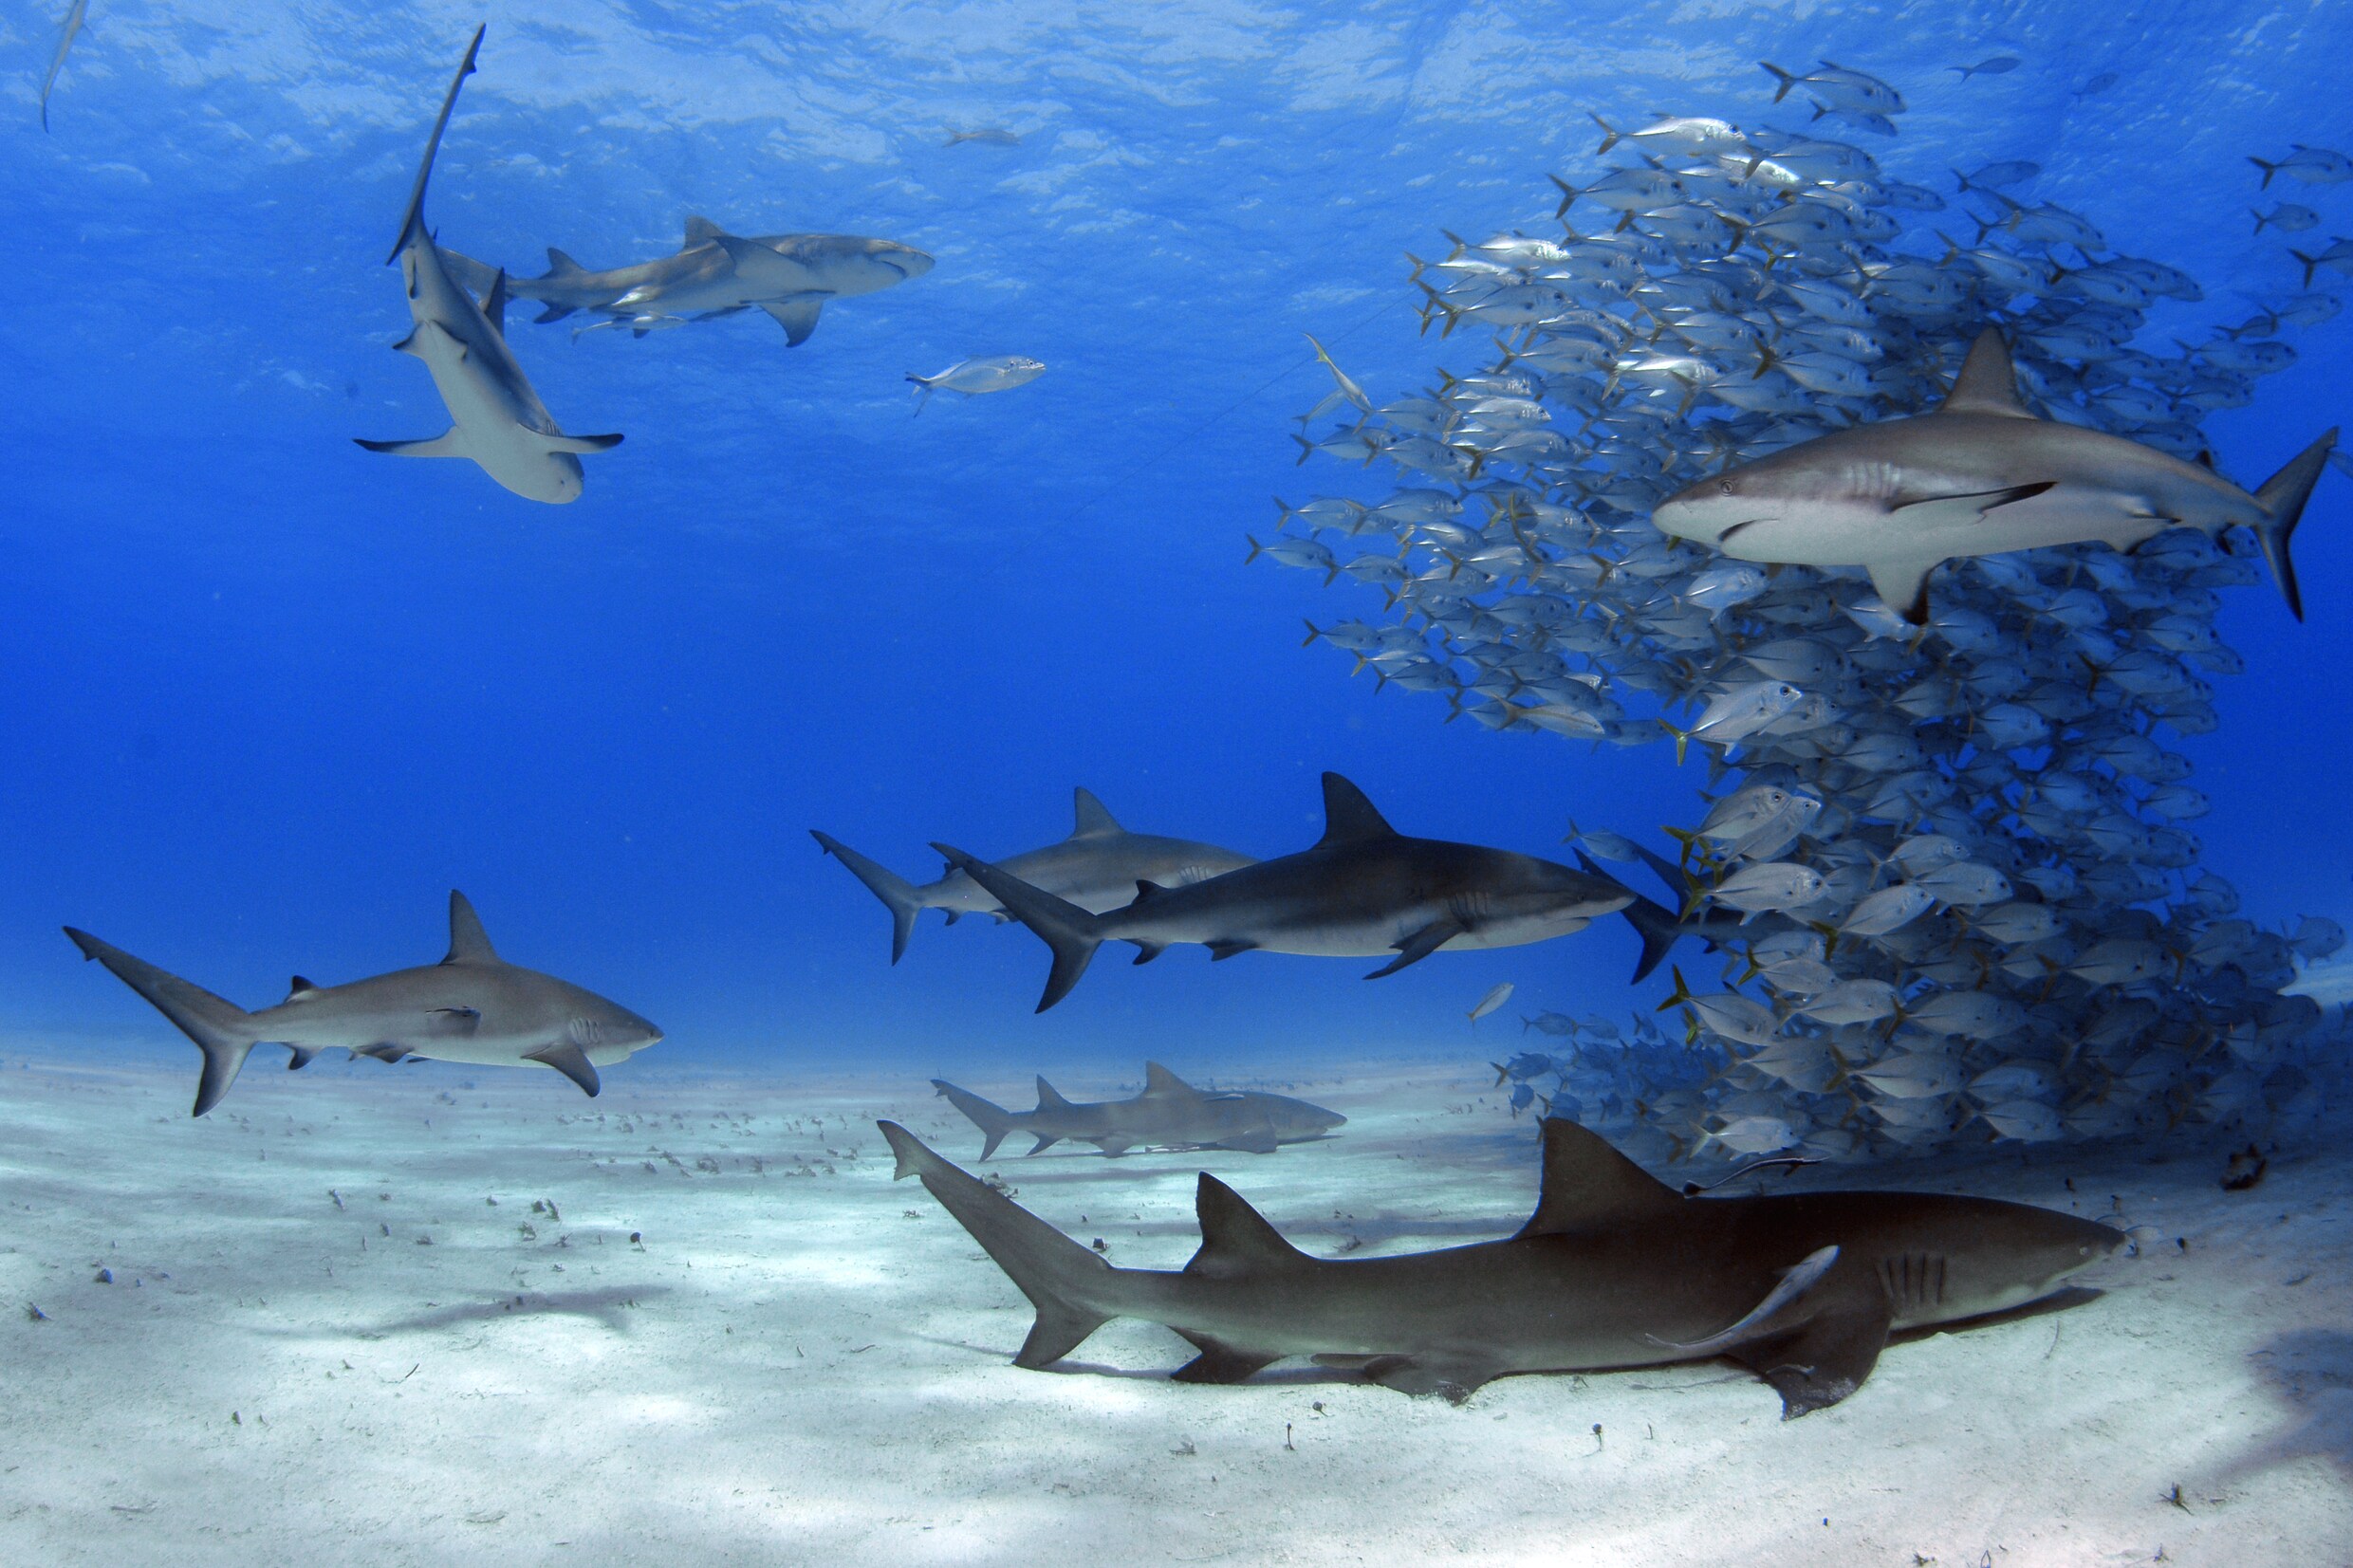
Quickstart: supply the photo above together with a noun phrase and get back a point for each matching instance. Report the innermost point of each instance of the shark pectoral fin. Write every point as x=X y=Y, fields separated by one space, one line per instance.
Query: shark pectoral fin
x=1825 y=1360
x=552 y=313
x=569 y=1060
x=1046 y=1140
x=1452 y=1378
x=1902 y=586
x=1147 y=952
x=448 y=444
x=583 y=443
x=1764 y=1320
x=1219 y=1363
x=300 y=1057
x=797 y=316
x=1256 y=1140
x=458 y=1023
x=1218 y=951
x=1421 y=944
x=386 y=1052
x=494 y=303
x=1114 y=1147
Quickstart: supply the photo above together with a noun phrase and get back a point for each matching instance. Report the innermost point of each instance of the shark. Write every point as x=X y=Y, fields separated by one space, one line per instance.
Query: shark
x=497 y=417
x=1170 y=1112
x=1363 y=891
x=715 y=273
x=471 y=1007
x=1095 y=868
x=1979 y=475
x=1614 y=1270
x=72 y=29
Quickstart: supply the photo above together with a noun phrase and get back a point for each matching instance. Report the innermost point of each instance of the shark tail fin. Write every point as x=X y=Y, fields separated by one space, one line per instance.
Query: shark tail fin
x=1056 y=1273
x=222 y=1030
x=1069 y=931
x=413 y=220
x=2282 y=499
x=1652 y=921
x=898 y=895
x=994 y=1121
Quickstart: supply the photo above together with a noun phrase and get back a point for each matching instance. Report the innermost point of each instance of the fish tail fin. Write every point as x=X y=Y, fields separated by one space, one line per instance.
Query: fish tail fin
x=413 y=220
x=994 y=1121
x=2310 y=263
x=1069 y=931
x=1683 y=740
x=1568 y=195
x=2259 y=217
x=898 y=895
x=2282 y=499
x=1785 y=79
x=1255 y=548
x=222 y=1030
x=2269 y=170
x=1062 y=1278
x=1610 y=135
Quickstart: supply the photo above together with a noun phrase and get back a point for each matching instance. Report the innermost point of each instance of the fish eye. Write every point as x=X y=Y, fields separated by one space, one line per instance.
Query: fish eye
x=1724 y=487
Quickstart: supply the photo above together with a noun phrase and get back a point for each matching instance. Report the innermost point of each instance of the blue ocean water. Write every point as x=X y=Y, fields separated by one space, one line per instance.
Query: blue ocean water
x=272 y=695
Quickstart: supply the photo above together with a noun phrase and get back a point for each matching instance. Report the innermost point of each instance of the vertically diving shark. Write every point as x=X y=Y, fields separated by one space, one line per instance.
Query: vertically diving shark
x=496 y=418
x=1980 y=475
x=1363 y=890
x=471 y=1007
x=1614 y=1270
x=1095 y=868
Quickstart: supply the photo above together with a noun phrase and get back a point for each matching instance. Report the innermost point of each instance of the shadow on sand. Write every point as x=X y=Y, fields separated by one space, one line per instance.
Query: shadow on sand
x=610 y=1307
x=2309 y=1371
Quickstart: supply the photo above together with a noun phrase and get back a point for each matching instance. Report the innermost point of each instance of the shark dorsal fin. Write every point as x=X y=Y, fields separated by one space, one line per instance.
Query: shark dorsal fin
x=1147 y=890
x=700 y=230
x=1159 y=1080
x=494 y=303
x=1235 y=1237
x=1986 y=385
x=1050 y=1096
x=1348 y=817
x=298 y=986
x=1589 y=1182
x=468 y=945
x=1093 y=820
x=558 y=264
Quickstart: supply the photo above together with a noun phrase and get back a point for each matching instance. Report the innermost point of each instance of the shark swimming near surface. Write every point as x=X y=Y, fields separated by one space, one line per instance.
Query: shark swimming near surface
x=1169 y=1114
x=1615 y=1269
x=1364 y=890
x=497 y=417
x=1095 y=868
x=72 y=29
x=471 y=1007
x=792 y=277
x=1980 y=475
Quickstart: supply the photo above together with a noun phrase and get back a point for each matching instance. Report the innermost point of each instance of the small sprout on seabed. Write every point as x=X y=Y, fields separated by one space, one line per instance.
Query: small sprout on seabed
x=1183 y=1450
x=35 y=1314
x=2172 y=1495
x=235 y=1420
x=106 y=1277
x=338 y=1197
x=382 y=1227
x=1287 y=1444
x=528 y=1234
x=911 y=1213
x=1101 y=1245
x=424 y=1241
x=1599 y=1444
x=1317 y=1406
x=492 y=1201
x=2246 y=1170
x=636 y=1238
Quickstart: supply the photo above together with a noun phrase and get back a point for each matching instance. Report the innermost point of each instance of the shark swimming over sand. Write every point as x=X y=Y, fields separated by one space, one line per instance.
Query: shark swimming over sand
x=715 y=273
x=1363 y=890
x=1169 y=1114
x=1980 y=475
x=471 y=1007
x=496 y=418
x=1095 y=868
x=1614 y=1270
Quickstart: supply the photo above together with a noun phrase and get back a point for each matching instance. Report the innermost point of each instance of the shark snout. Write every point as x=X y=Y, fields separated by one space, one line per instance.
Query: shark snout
x=905 y=260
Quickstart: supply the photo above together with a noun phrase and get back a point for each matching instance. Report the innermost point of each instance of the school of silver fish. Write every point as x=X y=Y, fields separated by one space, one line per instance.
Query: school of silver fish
x=1945 y=867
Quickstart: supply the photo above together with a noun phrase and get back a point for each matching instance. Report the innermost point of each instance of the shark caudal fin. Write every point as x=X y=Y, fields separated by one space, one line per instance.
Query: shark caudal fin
x=994 y=1121
x=2282 y=499
x=1652 y=921
x=1058 y=1275
x=413 y=220
x=1069 y=931
x=222 y=1030
x=898 y=895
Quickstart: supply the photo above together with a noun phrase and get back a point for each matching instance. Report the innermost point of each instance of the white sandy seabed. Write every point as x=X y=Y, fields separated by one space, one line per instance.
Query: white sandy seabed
x=470 y=1361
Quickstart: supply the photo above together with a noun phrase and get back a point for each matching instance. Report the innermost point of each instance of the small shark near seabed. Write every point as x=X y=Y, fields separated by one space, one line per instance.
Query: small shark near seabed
x=1095 y=868
x=496 y=418
x=1615 y=1269
x=1363 y=891
x=715 y=273
x=471 y=1007
x=1169 y=1114
x=1979 y=476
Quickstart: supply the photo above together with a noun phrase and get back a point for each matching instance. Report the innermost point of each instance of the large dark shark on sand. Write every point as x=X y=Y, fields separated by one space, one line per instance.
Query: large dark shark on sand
x=471 y=1007
x=1169 y=1114
x=1095 y=868
x=1363 y=891
x=1613 y=1270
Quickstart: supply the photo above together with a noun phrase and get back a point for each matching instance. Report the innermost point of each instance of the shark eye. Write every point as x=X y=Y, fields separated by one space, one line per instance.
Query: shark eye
x=1724 y=487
